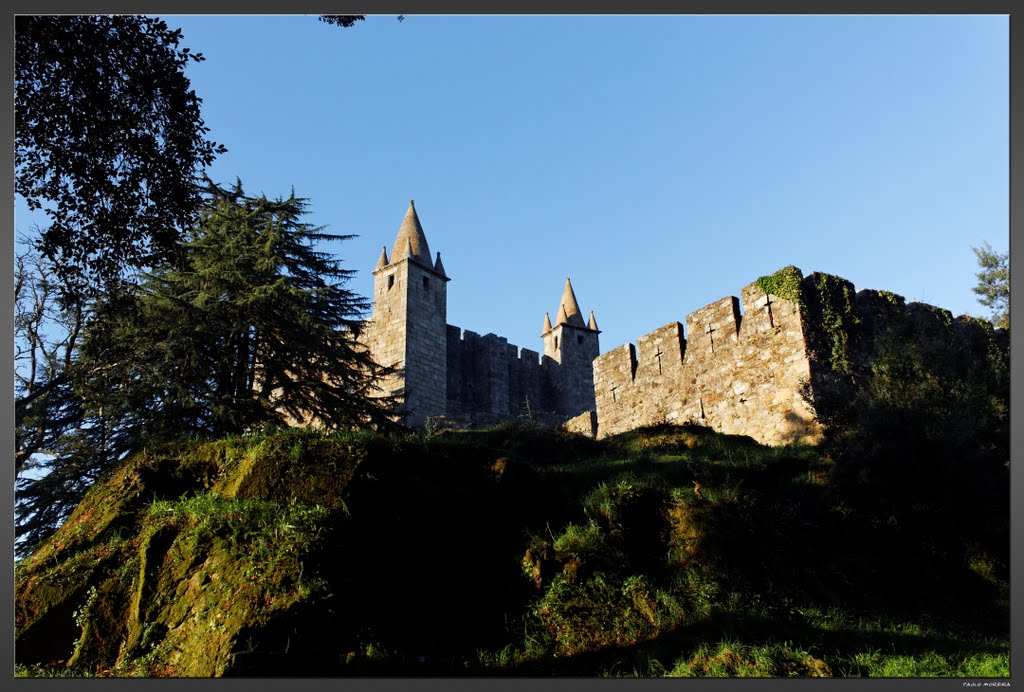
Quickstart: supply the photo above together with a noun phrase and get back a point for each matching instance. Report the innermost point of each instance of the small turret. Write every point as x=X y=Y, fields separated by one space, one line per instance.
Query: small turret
x=438 y=267
x=561 y=317
x=383 y=261
x=568 y=317
x=571 y=345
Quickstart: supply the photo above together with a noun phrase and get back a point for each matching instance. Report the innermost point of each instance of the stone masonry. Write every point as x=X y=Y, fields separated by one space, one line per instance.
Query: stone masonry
x=447 y=373
x=748 y=373
x=738 y=376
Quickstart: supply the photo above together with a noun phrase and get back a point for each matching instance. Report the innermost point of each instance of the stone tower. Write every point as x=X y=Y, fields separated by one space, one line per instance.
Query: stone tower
x=572 y=344
x=410 y=299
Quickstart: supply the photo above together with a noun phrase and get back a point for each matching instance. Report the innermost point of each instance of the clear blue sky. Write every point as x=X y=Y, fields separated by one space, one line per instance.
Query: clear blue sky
x=662 y=162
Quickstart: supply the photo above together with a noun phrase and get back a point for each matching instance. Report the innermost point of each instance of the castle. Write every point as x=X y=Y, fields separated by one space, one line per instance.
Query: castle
x=798 y=342
x=747 y=366
x=740 y=374
x=457 y=375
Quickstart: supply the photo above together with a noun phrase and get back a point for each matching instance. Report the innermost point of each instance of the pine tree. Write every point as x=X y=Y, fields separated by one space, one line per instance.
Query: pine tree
x=994 y=283
x=252 y=328
x=255 y=328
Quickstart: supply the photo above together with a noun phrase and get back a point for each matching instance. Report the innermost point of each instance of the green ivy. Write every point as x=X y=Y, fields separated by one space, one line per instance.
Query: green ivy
x=784 y=283
x=837 y=317
x=891 y=298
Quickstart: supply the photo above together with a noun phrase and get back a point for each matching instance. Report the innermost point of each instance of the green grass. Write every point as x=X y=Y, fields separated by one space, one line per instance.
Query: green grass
x=735 y=659
x=49 y=671
x=762 y=545
x=930 y=664
x=669 y=551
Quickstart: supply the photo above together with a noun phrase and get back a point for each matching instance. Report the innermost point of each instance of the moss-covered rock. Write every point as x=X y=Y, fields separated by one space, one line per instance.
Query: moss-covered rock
x=293 y=466
x=209 y=570
x=179 y=550
x=216 y=558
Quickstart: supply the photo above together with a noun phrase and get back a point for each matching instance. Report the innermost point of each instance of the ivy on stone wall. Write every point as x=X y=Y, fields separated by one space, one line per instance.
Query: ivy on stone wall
x=837 y=317
x=836 y=298
x=891 y=298
x=784 y=283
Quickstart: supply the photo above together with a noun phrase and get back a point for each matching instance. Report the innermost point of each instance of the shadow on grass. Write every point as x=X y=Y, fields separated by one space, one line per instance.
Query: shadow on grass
x=432 y=571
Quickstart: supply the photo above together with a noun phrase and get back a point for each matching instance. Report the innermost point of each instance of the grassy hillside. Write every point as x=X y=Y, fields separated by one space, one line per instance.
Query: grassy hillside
x=514 y=551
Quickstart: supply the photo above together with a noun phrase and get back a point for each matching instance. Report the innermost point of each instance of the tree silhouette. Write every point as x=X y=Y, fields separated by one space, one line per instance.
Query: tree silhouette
x=108 y=141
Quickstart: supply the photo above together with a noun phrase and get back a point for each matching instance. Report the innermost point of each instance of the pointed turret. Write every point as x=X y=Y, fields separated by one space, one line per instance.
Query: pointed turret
x=409 y=327
x=410 y=234
x=570 y=347
x=570 y=310
x=547 y=325
x=561 y=317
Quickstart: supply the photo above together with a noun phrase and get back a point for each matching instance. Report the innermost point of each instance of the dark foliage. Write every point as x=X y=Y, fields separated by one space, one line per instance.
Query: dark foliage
x=108 y=140
x=253 y=328
x=927 y=435
x=346 y=20
x=54 y=461
x=56 y=482
x=46 y=331
x=446 y=555
x=342 y=20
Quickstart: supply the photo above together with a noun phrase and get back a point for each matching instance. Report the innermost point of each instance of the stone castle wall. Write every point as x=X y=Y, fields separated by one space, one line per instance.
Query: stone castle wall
x=491 y=380
x=746 y=372
x=583 y=424
x=739 y=375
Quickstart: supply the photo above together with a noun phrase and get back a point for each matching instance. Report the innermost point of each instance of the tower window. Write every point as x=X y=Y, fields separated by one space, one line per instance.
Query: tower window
x=579 y=339
x=391 y=281
x=556 y=342
x=426 y=283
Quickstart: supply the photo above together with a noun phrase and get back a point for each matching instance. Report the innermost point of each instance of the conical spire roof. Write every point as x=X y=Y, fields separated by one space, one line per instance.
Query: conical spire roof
x=560 y=318
x=547 y=324
x=593 y=322
x=411 y=238
x=383 y=261
x=570 y=307
x=438 y=267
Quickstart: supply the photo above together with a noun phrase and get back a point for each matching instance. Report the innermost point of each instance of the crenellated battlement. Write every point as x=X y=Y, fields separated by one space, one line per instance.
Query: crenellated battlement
x=736 y=371
x=741 y=371
x=465 y=338
x=490 y=380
